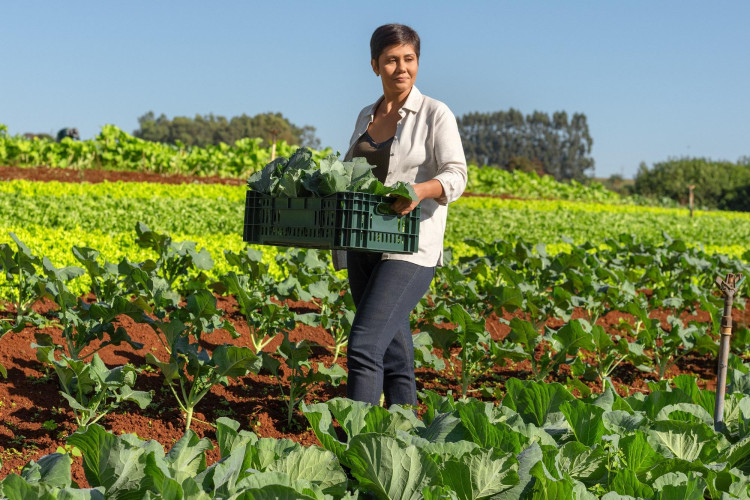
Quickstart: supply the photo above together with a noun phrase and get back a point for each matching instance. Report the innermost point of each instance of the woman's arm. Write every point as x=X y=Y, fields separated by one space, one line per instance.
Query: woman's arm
x=450 y=181
x=449 y=156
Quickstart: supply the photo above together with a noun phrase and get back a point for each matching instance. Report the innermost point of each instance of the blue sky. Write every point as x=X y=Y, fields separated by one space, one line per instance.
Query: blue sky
x=656 y=79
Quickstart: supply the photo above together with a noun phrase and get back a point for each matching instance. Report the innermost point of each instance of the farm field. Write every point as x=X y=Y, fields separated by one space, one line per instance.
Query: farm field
x=103 y=215
x=589 y=360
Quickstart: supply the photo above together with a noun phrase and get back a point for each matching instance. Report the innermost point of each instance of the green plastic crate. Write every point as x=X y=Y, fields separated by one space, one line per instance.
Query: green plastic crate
x=341 y=221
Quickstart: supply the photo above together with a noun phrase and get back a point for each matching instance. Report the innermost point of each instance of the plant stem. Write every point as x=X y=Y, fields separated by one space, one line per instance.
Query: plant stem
x=188 y=418
x=290 y=406
x=82 y=357
x=336 y=352
x=169 y=351
x=179 y=401
x=464 y=372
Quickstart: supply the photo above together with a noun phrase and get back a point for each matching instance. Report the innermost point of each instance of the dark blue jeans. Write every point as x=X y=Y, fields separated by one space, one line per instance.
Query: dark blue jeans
x=380 y=354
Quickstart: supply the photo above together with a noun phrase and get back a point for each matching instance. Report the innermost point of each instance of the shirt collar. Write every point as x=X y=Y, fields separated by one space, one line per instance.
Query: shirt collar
x=413 y=102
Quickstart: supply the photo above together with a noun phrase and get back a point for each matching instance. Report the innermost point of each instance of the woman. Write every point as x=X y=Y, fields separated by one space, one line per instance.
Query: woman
x=413 y=138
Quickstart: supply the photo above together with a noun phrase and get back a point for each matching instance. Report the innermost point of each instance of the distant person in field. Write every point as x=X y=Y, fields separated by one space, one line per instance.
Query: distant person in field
x=68 y=132
x=413 y=138
x=31 y=136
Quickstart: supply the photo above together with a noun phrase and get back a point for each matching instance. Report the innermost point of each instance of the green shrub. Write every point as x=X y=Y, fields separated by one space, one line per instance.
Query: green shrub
x=718 y=184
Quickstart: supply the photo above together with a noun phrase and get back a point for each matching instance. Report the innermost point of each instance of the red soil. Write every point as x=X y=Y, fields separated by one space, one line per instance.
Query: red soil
x=95 y=176
x=35 y=419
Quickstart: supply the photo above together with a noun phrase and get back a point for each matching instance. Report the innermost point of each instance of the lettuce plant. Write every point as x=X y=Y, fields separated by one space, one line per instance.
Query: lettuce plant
x=25 y=286
x=301 y=377
x=177 y=259
x=473 y=339
x=666 y=346
x=191 y=372
x=265 y=318
x=91 y=389
x=336 y=310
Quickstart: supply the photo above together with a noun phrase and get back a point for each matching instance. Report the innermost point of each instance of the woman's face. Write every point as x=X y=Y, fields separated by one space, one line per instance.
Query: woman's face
x=397 y=67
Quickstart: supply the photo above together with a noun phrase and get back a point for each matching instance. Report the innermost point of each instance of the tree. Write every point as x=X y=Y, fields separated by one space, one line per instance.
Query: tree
x=210 y=129
x=559 y=144
x=718 y=184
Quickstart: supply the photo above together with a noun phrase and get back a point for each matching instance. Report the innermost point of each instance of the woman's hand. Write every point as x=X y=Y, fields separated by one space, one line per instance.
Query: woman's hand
x=430 y=189
x=403 y=206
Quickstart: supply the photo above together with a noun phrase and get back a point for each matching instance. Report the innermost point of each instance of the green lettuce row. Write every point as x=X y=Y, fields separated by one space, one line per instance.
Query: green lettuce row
x=541 y=442
x=96 y=208
x=119 y=215
x=554 y=222
x=120 y=190
x=114 y=149
x=557 y=205
x=530 y=185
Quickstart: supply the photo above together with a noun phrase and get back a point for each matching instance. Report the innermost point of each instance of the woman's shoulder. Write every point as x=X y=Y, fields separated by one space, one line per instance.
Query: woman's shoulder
x=433 y=103
x=434 y=106
x=366 y=111
x=370 y=108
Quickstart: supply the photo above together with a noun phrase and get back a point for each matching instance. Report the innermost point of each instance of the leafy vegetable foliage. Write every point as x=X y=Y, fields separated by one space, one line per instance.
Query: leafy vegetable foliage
x=299 y=176
x=542 y=442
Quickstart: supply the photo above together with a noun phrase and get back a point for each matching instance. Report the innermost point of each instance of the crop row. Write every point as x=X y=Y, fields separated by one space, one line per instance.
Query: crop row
x=199 y=212
x=540 y=442
x=557 y=222
x=519 y=184
x=117 y=150
x=503 y=278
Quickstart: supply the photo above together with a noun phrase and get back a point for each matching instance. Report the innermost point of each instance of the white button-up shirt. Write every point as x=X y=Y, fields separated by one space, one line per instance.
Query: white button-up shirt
x=426 y=146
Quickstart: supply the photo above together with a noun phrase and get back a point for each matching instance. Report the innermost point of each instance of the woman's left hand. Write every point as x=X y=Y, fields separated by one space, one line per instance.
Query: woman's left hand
x=430 y=189
x=403 y=206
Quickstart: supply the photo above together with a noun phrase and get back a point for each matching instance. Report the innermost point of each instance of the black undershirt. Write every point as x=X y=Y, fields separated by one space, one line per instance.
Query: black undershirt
x=377 y=154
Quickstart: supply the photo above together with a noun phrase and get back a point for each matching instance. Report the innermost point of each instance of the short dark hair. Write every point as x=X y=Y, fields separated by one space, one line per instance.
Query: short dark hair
x=392 y=34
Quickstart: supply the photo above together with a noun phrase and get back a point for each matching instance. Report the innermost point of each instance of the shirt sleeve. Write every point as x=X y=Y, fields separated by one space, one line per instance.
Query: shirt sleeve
x=449 y=155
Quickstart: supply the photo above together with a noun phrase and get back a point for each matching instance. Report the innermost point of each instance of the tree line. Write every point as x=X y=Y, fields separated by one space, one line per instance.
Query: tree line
x=211 y=129
x=557 y=144
x=718 y=184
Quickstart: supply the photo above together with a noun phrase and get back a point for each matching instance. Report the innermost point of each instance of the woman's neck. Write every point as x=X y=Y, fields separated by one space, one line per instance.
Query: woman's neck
x=392 y=102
